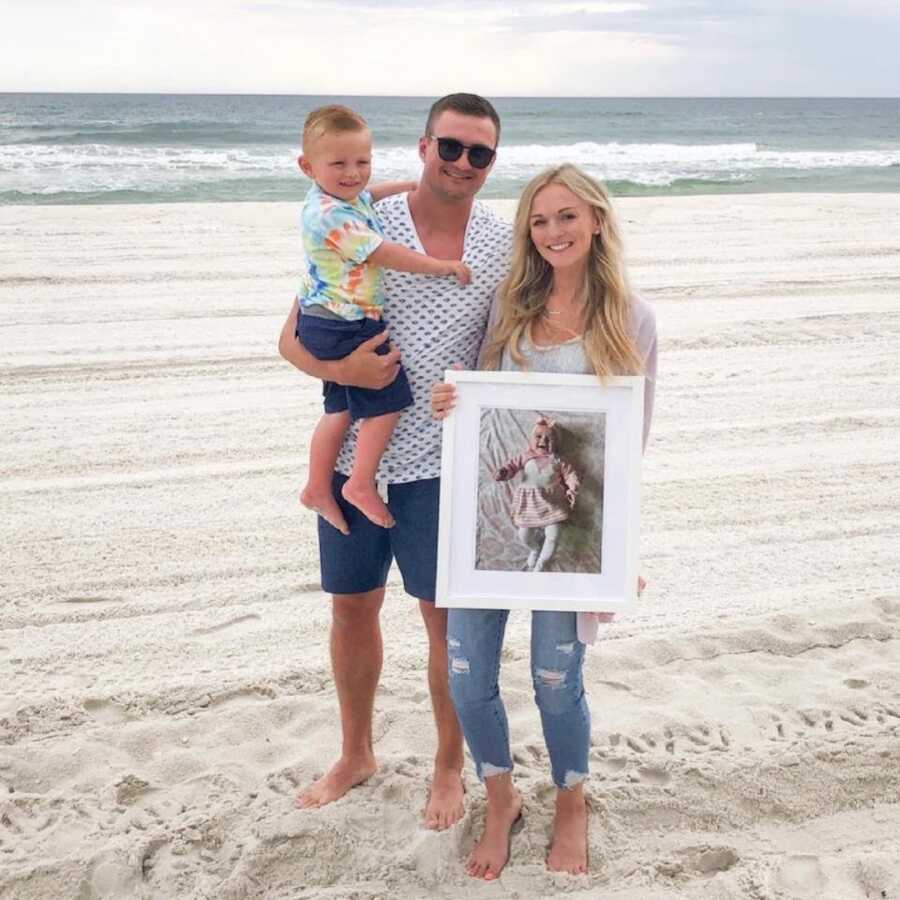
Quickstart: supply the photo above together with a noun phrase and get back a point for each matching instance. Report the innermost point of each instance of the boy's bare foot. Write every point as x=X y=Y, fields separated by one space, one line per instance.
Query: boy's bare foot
x=364 y=497
x=445 y=805
x=323 y=503
x=491 y=853
x=568 y=846
x=343 y=775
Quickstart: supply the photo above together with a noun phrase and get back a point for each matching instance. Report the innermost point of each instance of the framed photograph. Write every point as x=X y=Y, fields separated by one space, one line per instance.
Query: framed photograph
x=540 y=492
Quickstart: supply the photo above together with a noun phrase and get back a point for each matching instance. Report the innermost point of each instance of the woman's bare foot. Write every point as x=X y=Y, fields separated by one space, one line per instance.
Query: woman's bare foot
x=569 y=844
x=364 y=497
x=323 y=503
x=445 y=806
x=343 y=775
x=491 y=853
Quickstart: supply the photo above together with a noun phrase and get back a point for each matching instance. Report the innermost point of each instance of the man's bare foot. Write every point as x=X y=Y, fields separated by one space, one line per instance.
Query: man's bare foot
x=342 y=776
x=323 y=503
x=568 y=846
x=364 y=497
x=445 y=806
x=491 y=853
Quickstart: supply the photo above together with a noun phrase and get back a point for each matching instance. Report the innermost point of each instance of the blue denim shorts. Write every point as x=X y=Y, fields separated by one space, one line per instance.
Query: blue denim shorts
x=359 y=562
x=337 y=338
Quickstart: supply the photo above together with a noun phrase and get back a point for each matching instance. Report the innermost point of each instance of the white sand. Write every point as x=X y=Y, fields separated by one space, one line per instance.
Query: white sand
x=163 y=649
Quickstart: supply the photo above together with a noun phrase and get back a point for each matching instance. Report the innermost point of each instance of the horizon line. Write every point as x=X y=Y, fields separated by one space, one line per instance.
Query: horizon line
x=191 y=93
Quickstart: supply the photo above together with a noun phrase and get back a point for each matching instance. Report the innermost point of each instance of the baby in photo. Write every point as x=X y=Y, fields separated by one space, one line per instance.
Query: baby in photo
x=546 y=496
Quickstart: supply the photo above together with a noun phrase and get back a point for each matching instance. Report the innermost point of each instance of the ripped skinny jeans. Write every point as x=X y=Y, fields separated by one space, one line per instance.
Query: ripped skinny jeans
x=474 y=641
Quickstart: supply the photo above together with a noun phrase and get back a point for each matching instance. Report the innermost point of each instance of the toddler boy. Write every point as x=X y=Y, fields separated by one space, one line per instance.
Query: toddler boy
x=341 y=302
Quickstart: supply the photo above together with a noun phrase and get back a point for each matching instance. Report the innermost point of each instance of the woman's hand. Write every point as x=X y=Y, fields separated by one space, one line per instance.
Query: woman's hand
x=604 y=618
x=443 y=399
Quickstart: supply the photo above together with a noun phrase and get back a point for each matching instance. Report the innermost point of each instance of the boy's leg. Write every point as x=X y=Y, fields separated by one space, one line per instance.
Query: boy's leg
x=374 y=434
x=323 y=452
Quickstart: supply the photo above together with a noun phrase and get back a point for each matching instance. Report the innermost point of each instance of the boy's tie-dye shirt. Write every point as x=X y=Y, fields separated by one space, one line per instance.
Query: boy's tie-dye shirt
x=338 y=238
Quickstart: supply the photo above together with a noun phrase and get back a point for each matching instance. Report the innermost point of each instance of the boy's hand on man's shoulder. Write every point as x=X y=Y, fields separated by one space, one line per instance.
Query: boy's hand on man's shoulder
x=459 y=270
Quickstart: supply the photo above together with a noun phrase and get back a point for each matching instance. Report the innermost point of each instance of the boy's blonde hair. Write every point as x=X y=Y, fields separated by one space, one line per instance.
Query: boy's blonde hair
x=608 y=343
x=329 y=120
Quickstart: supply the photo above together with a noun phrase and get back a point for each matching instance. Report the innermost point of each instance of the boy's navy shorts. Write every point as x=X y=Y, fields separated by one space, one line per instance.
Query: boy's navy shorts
x=337 y=338
x=359 y=562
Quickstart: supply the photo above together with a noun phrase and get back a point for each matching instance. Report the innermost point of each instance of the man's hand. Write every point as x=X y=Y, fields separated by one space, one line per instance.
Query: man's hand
x=361 y=368
x=366 y=369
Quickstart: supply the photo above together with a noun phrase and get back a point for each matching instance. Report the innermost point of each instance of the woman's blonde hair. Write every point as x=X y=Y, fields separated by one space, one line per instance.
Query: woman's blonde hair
x=608 y=342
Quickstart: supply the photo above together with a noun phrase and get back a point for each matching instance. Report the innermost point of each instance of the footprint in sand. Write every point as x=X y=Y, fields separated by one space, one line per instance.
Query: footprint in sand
x=854 y=717
x=391 y=792
x=670 y=740
x=698 y=735
x=877 y=876
x=613 y=765
x=701 y=737
x=889 y=607
x=704 y=737
x=780 y=731
x=655 y=776
x=637 y=745
x=537 y=752
x=25 y=818
x=105 y=711
x=801 y=876
x=709 y=860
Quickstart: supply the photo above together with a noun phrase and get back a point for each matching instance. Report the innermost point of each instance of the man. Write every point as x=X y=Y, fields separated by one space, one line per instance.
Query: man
x=437 y=323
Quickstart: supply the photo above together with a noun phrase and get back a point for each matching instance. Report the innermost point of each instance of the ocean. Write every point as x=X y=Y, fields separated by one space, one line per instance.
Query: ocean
x=150 y=148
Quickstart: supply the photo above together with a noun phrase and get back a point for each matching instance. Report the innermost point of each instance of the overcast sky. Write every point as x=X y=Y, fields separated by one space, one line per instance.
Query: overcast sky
x=493 y=47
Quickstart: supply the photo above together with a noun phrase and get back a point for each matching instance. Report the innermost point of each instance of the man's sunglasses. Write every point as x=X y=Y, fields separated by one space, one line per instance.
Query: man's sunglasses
x=450 y=150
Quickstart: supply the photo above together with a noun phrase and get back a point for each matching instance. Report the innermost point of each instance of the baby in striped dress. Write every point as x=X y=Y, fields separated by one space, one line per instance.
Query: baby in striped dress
x=546 y=496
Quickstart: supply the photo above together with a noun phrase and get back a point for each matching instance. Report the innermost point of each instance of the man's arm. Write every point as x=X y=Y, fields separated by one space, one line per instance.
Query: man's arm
x=386 y=188
x=362 y=368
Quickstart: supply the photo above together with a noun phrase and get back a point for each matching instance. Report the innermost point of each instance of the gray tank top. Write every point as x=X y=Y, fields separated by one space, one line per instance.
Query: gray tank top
x=567 y=357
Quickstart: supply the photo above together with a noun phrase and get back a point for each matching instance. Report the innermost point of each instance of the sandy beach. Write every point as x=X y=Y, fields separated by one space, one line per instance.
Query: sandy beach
x=163 y=636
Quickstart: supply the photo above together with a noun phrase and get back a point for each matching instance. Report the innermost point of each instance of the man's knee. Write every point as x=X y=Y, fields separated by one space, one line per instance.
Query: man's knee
x=435 y=619
x=357 y=611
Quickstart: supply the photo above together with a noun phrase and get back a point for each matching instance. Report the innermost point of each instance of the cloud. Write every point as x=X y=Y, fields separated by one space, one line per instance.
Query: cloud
x=572 y=47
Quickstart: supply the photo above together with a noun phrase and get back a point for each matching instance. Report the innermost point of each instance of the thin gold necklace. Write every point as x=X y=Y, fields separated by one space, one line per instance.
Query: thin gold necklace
x=564 y=329
x=556 y=312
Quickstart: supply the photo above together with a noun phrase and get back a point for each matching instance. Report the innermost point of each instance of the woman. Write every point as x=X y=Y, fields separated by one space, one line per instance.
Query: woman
x=565 y=307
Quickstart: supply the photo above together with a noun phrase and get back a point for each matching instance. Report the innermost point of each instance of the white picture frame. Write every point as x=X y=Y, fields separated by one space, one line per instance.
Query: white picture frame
x=482 y=563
